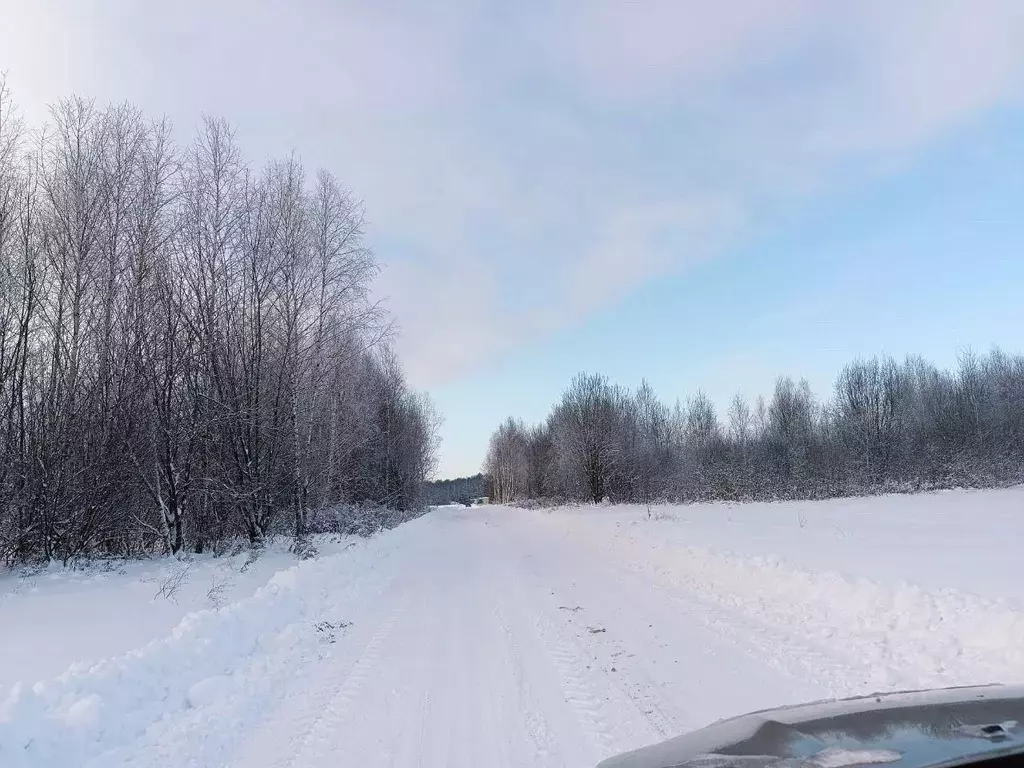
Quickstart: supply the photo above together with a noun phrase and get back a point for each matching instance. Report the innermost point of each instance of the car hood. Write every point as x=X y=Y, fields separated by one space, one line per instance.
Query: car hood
x=909 y=729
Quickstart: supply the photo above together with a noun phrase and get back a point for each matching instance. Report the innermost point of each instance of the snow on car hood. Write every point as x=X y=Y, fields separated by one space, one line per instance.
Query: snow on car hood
x=913 y=729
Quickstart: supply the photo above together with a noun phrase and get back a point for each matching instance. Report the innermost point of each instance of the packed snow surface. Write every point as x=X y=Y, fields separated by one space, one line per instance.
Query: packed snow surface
x=505 y=637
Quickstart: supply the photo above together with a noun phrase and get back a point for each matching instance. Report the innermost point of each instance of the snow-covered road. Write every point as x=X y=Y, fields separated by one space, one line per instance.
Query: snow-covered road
x=483 y=637
x=501 y=644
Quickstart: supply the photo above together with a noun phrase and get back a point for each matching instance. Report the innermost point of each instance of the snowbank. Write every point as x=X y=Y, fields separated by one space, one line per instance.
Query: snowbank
x=911 y=634
x=209 y=656
x=57 y=616
x=965 y=540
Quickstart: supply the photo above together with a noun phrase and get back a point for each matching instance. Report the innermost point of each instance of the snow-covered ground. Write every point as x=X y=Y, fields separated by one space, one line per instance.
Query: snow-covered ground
x=505 y=637
x=53 y=617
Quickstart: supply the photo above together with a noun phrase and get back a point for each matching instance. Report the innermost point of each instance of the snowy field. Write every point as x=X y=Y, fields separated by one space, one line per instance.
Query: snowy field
x=505 y=637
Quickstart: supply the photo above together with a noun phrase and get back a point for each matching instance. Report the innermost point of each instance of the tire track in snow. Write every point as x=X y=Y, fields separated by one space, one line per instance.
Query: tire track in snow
x=613 y=656
x=537 y=729
x=443 y=698
x=646 y=693
x=429 y=705
x=582 y=691
x=470 y=638
x=660 y=648
x=310 y=695
x=413 y=692
x=615 y=717
x=603 y=714
x=513 y=719
x=317 y=736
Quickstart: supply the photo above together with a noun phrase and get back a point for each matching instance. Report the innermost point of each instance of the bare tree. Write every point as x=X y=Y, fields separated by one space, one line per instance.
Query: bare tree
x=507 y=464
x=870 y=403
x=585 y=432
x=189 y=351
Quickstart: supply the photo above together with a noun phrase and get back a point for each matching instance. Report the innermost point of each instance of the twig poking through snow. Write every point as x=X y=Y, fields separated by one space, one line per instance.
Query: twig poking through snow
x=174 y=582
x=216 y=594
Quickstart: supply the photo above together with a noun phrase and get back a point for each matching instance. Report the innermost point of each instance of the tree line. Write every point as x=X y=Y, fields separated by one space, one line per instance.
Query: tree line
x=458 y=490
x=189 y=351
x=889 y=426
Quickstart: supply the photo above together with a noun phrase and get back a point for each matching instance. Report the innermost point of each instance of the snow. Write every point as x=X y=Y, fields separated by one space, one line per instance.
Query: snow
x=840 y=758
x=507 y=637
x=935 y=540
x=110 y=608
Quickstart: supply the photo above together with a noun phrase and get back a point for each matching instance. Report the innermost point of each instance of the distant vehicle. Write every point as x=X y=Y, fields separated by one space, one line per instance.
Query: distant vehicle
x=978 y=725
x=480 y=501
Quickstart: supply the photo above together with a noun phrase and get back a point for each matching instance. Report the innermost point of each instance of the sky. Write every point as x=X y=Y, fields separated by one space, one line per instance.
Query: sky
x=705 y=195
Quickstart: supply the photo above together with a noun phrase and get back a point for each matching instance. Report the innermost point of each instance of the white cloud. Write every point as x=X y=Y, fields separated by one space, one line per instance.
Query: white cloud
x=637 y=242
x=921 y=69
x=523 y=167
x=864 y=76
x=639 y=50
x=769 y=100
